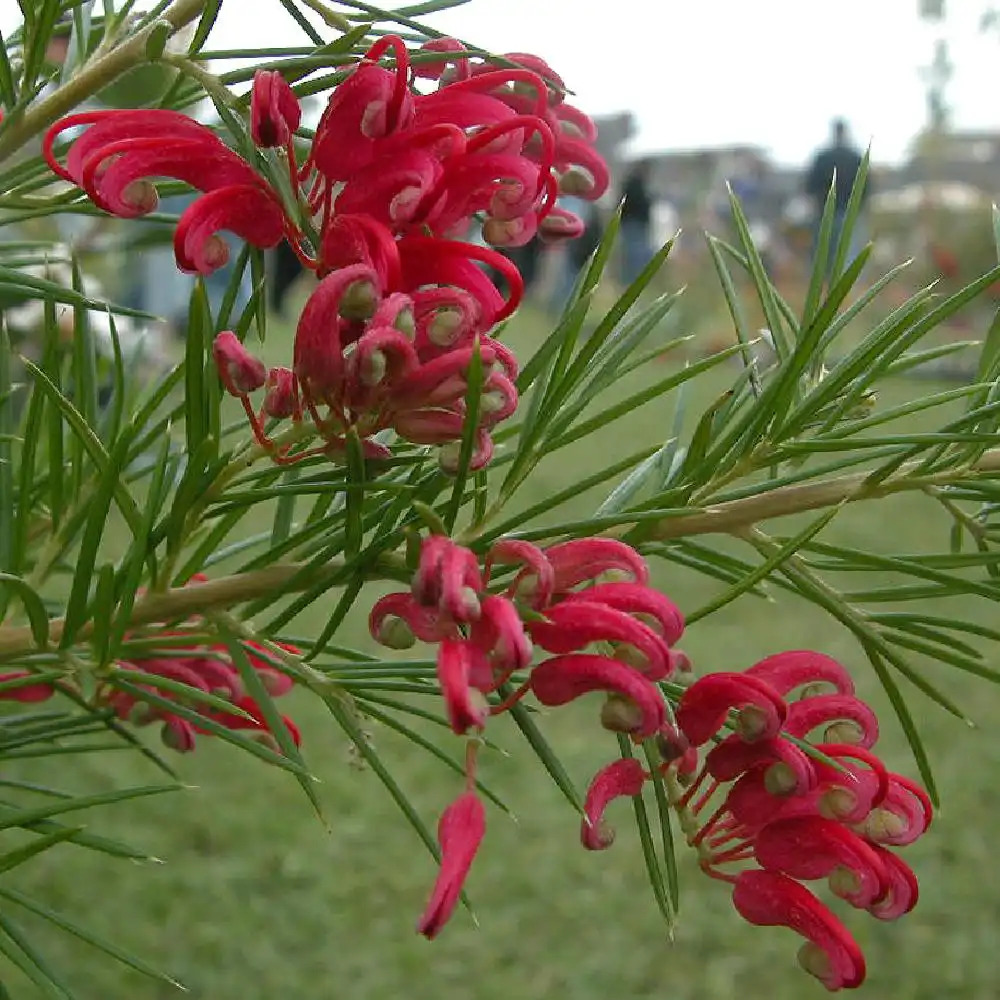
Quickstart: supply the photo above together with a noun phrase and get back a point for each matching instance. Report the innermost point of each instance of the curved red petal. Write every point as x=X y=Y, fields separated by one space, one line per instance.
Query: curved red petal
x=770 y=899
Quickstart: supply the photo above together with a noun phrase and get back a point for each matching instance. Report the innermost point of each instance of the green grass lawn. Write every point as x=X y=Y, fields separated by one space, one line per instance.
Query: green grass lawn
x=256 y=900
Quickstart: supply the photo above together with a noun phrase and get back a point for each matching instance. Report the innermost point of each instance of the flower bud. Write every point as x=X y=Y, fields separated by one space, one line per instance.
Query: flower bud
x=752 y=723
x=577 y=181
x=445 y=327
x=141 y=196
x=780 y=779
x=280 y=396
x=178 y=735
x=395 y=633
x=141 y=714
x=359 y=300
x=241 y=373
x=671 y=743
x=620 y=714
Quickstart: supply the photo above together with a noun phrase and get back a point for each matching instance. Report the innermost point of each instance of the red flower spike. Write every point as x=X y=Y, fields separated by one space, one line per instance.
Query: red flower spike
x=465 y=706
x=460 y=832
x=847 y=715
x=274 y=110
x=650 y=606
x=26 y=693
x=903 y=891
x=795 y=668
x=583 y=559
x=810 y=847
x=769 y=899
x=705 y=706
x=562 y=679
x=241 y=373
x=619 y=779
x=573 y=625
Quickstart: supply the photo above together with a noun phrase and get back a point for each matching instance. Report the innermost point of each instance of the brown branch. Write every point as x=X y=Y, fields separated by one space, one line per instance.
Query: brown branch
x=725 y=518
x=731 y=516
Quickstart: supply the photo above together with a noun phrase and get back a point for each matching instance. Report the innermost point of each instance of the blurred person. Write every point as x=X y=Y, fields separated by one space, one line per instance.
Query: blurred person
x=636 y=224
x=285 y=271
x=840 y=160
x=573 y=255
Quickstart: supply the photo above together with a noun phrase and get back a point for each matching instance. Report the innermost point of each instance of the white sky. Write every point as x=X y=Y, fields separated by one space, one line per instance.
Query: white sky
x=713 y=72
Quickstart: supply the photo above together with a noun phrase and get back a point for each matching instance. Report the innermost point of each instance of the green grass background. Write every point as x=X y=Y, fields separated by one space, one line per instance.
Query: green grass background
x=256 y=900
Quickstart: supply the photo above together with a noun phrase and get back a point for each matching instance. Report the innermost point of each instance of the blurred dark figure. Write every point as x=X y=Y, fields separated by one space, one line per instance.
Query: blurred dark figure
x=527 y=260
x=575 y=253
x=285 y=271
x=637 y=218
x=842 y=161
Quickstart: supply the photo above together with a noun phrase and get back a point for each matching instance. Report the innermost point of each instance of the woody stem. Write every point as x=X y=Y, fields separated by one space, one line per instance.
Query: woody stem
x=91 y=78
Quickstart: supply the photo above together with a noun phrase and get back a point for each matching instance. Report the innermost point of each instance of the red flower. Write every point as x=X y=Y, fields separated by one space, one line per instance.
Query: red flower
x=391 y=178
x=211 y=671
x=454 y=667
x=26 y=692
x=562 y=679
x=771 y=899
x=707 y=703
x=117 y=153
x=798 y=816
x=460 y=832
x=274 y=110
x=620 y=778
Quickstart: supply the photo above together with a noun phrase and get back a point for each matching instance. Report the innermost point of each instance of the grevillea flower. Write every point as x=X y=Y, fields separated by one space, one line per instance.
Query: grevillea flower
x=563 y=679
x=620 y=778
x=800 y=816
x=770 y=899
x=19 y=686
x=391 y=178
x=206 y=668
x=484 y=622
x=460 y=832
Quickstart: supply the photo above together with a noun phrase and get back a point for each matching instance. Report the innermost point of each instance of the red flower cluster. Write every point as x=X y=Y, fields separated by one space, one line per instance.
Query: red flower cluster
x=391 y=178
x=208 y=669
x=22 y=689
x=798 y=817
x=554 y=601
